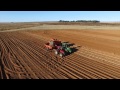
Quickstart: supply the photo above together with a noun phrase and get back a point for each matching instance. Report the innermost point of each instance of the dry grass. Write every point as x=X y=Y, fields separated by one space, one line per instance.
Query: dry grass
x=39 y=26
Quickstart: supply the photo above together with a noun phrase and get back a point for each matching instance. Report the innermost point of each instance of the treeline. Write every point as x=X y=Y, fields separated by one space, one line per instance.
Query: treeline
x=92 y=21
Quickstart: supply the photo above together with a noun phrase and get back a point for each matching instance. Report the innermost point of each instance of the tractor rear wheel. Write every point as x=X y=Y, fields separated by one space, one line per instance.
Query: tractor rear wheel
x=56 y=52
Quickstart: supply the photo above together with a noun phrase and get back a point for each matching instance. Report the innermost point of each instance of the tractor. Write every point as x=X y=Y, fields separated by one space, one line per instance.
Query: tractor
x=59 y=48
x=63 y=50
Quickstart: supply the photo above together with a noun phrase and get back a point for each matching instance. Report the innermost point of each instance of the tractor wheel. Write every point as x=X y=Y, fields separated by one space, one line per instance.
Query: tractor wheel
x=56 y=52
x=61 y=54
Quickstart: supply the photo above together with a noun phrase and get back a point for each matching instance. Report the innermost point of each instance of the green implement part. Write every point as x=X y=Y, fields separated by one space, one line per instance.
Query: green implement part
x=69 y=49
x=66 y=47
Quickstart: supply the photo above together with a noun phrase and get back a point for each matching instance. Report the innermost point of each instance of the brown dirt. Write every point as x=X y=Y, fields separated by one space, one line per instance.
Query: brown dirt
x=23 y=55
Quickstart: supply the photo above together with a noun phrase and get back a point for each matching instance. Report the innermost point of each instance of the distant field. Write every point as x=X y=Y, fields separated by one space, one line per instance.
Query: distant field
x=9 y=26
x=39 y=26
x=75 y=27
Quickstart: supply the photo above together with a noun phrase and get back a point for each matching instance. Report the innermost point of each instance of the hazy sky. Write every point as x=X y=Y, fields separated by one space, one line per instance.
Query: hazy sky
x=28 y=16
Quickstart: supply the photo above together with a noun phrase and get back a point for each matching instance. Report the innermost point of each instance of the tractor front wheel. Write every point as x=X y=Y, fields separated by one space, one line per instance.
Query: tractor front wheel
x=61 y=54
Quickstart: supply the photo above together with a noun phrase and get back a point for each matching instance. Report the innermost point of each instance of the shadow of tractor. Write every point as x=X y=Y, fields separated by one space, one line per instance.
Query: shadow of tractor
x=73 y=49
x=71 y=44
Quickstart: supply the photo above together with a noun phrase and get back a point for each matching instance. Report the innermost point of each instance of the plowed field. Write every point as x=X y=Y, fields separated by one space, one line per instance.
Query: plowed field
x=96 y=55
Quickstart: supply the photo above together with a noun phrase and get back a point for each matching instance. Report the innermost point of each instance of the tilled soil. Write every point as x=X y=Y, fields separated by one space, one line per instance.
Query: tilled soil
x=24 y=56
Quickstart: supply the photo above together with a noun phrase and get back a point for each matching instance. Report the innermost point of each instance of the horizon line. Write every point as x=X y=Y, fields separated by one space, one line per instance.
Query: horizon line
x=57 y=21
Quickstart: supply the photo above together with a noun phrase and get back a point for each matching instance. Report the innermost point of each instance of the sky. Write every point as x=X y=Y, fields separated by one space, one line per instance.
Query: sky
x=36 y=16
